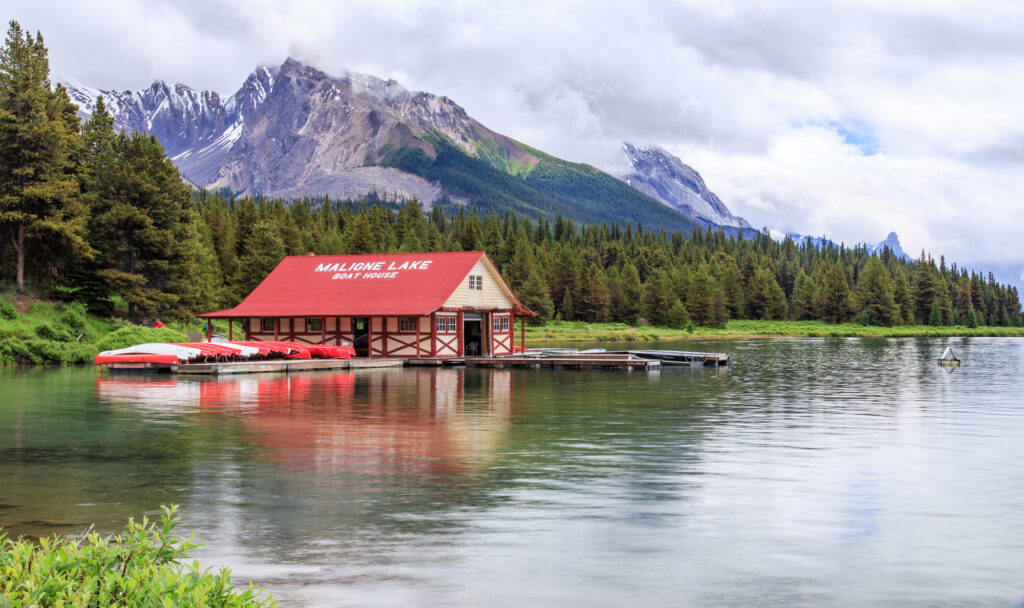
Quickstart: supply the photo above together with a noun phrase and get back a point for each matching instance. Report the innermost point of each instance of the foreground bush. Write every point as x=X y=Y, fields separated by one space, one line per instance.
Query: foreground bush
x=143 y=567
x=19 y=350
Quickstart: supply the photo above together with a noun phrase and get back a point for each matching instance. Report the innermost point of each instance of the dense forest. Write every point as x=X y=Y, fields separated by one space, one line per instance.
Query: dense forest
x=104 y=218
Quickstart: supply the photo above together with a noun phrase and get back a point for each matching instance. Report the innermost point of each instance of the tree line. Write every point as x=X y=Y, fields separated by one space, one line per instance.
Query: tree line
x=104 y=218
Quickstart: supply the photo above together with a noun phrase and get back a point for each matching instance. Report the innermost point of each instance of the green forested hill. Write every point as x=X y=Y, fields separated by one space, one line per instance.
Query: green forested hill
x=551 y=188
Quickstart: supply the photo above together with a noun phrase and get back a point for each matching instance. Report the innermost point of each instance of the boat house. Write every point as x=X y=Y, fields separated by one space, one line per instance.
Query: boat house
x=409 y=305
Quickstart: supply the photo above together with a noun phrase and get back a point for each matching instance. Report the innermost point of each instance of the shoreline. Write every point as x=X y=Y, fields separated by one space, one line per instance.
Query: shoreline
x=578 y=331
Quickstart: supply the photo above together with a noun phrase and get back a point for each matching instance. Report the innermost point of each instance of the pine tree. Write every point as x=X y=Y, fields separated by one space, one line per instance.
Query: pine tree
x=631 y=295
x=874 y=296
x=533 y=293
x=834 y=295
x=594 y=299
x=659 y=296
x=805 y=293
x=567 y=310
x=39 y=148
x=935 y=313
x=359 y=237
x=678 y=317
x=263 y=252
x=972 y=318
x=945 y=302
x=141 y=222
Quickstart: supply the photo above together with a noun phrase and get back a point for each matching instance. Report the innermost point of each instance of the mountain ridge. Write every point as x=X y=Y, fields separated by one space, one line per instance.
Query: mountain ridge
x=665 y=177
x=292 y=131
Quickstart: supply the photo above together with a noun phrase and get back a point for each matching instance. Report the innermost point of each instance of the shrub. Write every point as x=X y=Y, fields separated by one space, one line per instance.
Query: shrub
x=55 y=332
x=23 y=350
x=7 y=311
x=143 y=567
x=73 y=316
x=130 y=335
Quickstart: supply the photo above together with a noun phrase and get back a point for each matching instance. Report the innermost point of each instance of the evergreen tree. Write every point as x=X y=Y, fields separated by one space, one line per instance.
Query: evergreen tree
x=567 y=309
x=359 y=237
x=263 y=252
x=141 y=223
x=834 y=296
x=533 y=293
x=39 y=153
x=805 y=293
x=875 y=296
x=594 y=300
x=945 y=302
x=632 y=295
x=659 y=296
x=935 y=313
x=678 y=317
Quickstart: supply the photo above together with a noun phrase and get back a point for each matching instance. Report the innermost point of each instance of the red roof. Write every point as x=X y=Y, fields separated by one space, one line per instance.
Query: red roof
x=391 y=284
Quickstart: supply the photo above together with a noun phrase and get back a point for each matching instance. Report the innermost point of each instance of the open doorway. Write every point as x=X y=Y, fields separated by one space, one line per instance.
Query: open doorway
x=361 y=336
x=472 y=333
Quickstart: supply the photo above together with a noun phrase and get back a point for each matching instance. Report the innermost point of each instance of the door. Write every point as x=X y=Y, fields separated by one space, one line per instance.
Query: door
x=361 y=336
x=472 y=337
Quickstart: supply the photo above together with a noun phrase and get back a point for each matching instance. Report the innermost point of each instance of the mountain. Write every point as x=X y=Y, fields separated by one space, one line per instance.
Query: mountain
x=892 y=242
x=666 y=178
x=292 y=131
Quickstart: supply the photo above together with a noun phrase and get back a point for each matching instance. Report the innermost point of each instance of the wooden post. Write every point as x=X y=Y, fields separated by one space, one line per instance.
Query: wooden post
x=369 y=337
x=460 y=346
x=323 y=330
x=277 y=327
x=433 y=334
x=522 y=333
x=486 y=334
x=418 y=319
x=209 y=329
x=384 y=336
x=231 y=325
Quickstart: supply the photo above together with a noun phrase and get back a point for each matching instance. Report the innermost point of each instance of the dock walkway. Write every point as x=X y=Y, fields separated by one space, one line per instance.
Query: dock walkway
x=578 y=361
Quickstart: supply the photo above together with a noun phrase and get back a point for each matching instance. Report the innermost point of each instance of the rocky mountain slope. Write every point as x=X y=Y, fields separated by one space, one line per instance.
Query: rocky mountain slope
x=293 y=131
x=664 y=177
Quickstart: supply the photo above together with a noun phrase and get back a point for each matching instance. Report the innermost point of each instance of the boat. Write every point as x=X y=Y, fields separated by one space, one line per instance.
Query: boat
x=949 y=358
x=159 y=355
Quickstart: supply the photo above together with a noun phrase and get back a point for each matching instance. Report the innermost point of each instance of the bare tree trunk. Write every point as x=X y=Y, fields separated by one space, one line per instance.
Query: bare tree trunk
x=19 y=254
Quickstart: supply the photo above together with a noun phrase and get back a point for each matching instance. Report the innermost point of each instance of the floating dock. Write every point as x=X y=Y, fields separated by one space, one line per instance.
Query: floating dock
x=644 y=360
x=284 y=366
x=574 y=361
x=679 y=357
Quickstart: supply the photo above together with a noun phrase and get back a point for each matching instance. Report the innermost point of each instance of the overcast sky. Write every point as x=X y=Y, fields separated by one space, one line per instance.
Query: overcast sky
x=849 y=119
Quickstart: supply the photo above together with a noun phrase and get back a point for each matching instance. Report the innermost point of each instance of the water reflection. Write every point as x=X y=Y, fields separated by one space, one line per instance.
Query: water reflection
x=812 y=472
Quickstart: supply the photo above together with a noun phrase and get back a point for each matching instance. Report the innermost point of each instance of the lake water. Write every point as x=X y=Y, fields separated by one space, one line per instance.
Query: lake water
x=813 y=472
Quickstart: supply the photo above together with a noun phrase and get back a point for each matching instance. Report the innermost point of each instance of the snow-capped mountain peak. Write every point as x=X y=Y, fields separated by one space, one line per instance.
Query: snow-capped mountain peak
x=666 y=178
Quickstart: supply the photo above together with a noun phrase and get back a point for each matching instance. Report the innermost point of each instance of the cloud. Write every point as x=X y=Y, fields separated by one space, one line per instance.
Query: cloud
x=843 y=118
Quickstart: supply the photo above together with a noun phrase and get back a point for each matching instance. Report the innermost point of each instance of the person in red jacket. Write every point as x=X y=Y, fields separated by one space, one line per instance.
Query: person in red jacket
x=157 y=324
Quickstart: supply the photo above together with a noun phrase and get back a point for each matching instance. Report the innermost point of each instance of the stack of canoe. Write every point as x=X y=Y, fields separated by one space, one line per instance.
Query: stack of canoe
x=212 y=352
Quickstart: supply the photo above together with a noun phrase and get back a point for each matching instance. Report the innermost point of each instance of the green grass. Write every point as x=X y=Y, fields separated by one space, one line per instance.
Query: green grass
x=54 y=333
x=576 y=331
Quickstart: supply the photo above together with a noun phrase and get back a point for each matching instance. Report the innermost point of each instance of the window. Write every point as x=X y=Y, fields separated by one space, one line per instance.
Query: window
x=406 y=323
x=441 y=325
x=504 y=324
x=476 y=282
x=496 y=324
x=451 y=325
x=314 y=325
x=267 y=324
x=500 y=324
